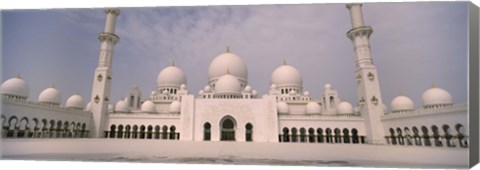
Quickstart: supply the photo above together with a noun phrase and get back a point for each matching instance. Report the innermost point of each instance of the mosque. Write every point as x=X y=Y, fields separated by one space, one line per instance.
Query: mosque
x=229 y=109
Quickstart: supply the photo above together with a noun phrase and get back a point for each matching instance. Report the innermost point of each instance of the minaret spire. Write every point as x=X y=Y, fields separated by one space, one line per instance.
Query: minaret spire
x=368 y=86
x=103 y=74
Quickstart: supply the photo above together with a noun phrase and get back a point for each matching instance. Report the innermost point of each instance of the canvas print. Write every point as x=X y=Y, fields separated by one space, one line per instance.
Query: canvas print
x=369 y=85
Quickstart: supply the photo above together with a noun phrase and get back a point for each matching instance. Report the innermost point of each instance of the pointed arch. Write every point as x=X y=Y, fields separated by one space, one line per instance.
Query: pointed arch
x=311 y=135
x=286 y=136
x=346 y=136
x=120 y=131
x=173 y=134
x=207 y=131
x=319 y=135
x=228 y=126
x=112 y=131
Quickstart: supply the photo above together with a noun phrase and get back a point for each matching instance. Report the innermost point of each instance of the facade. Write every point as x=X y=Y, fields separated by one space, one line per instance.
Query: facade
x=229 y=109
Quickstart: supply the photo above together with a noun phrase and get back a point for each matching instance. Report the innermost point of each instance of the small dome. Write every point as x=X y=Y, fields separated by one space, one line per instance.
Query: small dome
x=402 y=103
x=148 y=107
x=228 y=84
x=254 y=93
x=227 y=61
x=328 y=86
x=248 y=89
x=171 y=76
x=436 y=96
x=313 y=108
x=273 y=87
x=200 y=92
x=207 y=89
x=283 y=108
x=153 y=93
x=75 y=101
x=292 y=92
x=175 y=107
x=344 y=108
x=15 y=87
x=121 y=106
x=165 y=92
x=88 y=108
x=286 y=75
x=306 y=93
x=110 y=107
x=183 y=87
x=51 y=96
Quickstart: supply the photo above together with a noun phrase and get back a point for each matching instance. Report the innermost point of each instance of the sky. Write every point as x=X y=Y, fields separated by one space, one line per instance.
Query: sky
x=414 y=44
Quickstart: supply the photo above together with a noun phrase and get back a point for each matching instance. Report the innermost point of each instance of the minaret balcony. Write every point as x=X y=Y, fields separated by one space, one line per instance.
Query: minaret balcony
x=357 y=31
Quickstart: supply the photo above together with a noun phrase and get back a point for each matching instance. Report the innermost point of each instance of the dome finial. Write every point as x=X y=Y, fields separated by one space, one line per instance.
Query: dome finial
x=18 y=76
x=284 y=61
x=77 y=93
x=433 y=85
x=53 y=85
x=173 y=63
x=228 y=49
x=401 y=93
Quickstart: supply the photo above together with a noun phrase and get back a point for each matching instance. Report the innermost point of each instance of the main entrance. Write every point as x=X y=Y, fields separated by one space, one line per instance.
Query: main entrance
x=227 y=125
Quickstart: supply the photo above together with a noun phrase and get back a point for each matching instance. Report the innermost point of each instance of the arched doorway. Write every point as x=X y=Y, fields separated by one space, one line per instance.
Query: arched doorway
x=227 y=129
x=249 y=132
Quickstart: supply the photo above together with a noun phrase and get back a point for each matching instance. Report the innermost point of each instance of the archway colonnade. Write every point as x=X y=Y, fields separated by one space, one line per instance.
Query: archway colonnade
x=25 y=127
x=438 y=136
x=142 y=132
x=320 y=135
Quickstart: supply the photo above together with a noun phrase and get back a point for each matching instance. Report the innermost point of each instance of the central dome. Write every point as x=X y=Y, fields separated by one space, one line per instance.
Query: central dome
x=286 y=75
x=228 y=84
x=171 y=76
x=227 y=61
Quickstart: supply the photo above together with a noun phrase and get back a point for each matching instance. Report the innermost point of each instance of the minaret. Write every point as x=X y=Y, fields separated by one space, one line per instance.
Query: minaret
x=103 y=74
x=368 y=88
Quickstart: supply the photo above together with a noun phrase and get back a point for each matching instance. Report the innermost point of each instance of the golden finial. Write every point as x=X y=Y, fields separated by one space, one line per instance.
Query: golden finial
x=53 y=85
x=77 y=93
x=401 y=93
x=433 y=85
x=173 y=63
x=18 y=76
x=284 y=61
x=228 y=49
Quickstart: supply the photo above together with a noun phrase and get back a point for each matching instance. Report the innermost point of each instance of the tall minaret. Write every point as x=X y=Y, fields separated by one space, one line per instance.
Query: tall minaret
x=368 y=88
x=103 y=74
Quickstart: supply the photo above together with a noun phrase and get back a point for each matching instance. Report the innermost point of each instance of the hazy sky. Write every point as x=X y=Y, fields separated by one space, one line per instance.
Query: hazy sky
x=413 y=45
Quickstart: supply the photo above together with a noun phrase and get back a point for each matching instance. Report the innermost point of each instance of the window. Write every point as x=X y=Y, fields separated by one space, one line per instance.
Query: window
x=249 y=132
x=206 y=131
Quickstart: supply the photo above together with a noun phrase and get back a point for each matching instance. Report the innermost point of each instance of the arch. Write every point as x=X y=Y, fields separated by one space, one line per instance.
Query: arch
x=157 y=132
x=127 y=131
x=337 y=135
x=120 y=131
x=52 y=129
x=311 y=135
x=78 y=130
x=132 y=100
x=3 y=120
x=59 y=129
x=416 y=136
x=332 y=102
x=112 y=131
x=426 y=137
x=248 y=132
x=355 y=138
x=173 y=135
x=461 y=135
x=35 y=128
x=294 y=135
x=71 y=130
x=23 y=128
x=286 y=136
x=303 y=135
x=328 y=131
x=164 y=132
x=142 y=132
x=12 y=127
x=400 y=137
x=207 y=131
x=408 y=136
x=84 y=132
x=227 y=128
x=436 y=136
x=149 y=132
x=135 y=132
x=319 y=135
x=448 y=136
x=346 y=136
x=393 y=138
x=65 y=129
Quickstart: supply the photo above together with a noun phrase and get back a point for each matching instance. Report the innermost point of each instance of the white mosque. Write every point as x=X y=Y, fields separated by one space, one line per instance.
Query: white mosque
x=229 y=109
